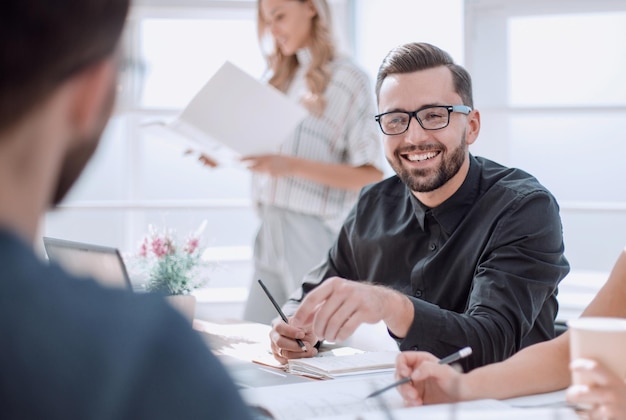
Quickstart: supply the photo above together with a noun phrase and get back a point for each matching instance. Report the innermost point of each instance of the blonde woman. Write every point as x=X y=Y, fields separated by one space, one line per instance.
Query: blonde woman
x=303 y=193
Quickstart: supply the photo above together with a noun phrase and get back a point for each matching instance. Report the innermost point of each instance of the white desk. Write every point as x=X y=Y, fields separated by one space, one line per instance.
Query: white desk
x=343 y=399
x=338 y=397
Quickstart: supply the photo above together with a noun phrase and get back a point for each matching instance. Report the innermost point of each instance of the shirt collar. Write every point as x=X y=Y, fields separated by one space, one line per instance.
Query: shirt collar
x=450 y=213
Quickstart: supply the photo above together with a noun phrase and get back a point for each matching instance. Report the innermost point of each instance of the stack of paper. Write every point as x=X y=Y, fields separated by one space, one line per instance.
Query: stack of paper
x=336 y=366
x=326 y=350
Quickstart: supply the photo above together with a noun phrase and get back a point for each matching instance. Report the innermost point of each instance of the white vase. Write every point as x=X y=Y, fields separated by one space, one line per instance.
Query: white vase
x=186 y=304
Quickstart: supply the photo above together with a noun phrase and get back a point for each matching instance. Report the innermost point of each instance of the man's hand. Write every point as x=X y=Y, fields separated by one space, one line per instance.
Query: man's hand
x=283 y=341
x=336 y=308
x=605 y=394
x=431 y=383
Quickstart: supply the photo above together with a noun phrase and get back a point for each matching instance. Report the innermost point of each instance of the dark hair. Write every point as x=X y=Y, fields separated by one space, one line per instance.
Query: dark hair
x=43 y=42
x=416 y=56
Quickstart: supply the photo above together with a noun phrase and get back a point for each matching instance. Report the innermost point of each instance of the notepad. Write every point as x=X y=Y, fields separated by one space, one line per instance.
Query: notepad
x=336 y=366
x=326 y=350
x=234 y=115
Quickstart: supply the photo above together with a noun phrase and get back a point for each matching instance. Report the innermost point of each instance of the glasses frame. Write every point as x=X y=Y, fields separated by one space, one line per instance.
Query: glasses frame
x=463 y=109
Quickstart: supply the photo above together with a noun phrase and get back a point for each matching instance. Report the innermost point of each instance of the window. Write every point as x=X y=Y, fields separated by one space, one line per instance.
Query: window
x=139 y=177
x=547 y=79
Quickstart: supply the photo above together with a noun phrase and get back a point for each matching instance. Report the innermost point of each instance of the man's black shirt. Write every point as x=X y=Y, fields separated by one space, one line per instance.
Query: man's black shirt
x=481 y=269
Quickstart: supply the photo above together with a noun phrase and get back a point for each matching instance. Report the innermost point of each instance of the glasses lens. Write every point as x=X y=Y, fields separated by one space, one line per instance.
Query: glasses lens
x=434 y=117
x=394 y=123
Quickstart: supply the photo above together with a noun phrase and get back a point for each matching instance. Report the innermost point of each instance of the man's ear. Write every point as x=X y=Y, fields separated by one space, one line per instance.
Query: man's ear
x=92 y=92
x=473 y=125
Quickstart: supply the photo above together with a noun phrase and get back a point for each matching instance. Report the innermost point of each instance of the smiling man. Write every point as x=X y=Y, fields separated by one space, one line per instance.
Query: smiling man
x=455 y=250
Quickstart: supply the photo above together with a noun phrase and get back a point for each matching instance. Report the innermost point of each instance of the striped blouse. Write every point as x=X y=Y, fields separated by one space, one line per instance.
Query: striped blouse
x=346 y=133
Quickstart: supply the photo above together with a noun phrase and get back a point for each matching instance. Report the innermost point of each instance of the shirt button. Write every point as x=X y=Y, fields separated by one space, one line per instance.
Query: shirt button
x=414 y=348
x=418 y=293
x=432 y=246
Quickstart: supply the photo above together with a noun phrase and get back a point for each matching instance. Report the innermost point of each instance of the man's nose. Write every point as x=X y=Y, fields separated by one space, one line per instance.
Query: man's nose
x=415 y=132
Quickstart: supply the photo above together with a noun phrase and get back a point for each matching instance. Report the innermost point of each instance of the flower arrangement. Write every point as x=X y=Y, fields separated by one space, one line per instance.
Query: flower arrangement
x=172 y=267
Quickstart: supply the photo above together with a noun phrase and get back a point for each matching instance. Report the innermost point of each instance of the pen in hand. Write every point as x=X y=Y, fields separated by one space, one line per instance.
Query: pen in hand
x=458 y=355
x=280 y=312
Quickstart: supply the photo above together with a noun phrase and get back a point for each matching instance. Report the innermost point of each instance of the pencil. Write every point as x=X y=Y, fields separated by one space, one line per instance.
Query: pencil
x=457 y=355
x=280 y=312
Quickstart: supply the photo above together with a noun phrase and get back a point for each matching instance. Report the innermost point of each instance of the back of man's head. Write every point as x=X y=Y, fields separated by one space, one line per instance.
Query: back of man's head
x=417 y=56
x=44 y=42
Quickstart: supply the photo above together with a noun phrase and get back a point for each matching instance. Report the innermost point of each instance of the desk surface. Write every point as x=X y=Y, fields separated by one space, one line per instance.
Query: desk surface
x=245 y=341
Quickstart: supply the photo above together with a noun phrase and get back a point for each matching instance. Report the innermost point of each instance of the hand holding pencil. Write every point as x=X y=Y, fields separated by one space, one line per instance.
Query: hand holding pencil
x=454 y=357
x=279 y=338
x=431 y=380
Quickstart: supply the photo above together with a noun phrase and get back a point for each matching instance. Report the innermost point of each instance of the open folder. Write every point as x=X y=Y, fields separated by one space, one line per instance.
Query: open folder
x=234 y=115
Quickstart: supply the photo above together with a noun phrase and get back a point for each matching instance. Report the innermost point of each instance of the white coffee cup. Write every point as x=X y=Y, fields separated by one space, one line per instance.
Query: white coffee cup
x=601 y=339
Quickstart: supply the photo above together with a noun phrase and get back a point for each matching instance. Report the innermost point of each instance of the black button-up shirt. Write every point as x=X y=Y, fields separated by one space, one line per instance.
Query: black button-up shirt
x=481 y=269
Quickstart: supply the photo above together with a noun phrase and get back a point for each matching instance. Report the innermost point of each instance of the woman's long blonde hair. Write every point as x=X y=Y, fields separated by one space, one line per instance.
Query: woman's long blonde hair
x=322 y=48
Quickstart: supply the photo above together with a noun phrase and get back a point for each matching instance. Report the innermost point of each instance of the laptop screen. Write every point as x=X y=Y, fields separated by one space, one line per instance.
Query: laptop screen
x=103 y=263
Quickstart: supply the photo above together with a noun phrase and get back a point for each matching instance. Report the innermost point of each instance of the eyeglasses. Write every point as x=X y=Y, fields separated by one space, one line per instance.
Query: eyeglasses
x=430 y=118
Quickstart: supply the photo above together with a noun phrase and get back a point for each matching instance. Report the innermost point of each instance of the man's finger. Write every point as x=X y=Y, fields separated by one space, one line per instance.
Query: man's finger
x=311 y=303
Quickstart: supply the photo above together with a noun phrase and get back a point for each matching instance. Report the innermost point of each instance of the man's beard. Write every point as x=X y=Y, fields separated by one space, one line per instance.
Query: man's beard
x=77 y=157
x=422 y=181
x=75 y=161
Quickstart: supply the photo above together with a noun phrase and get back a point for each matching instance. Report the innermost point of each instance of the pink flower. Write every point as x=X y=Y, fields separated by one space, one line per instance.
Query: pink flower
x=191 y=245
x=143 y=249
x=162 y=247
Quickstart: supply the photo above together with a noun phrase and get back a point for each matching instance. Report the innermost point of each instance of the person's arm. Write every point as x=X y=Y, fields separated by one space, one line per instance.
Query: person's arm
x=536 y=369
x=350 y=133
x=336 y=308
x=542 y=367
x=337 y=176
x=334 y=175
x=512 y=289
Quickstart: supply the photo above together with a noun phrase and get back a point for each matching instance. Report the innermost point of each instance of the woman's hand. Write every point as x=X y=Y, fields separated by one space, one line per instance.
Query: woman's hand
x=273 y=165
x=431 y=383
x=604 y=392
x=205 y=160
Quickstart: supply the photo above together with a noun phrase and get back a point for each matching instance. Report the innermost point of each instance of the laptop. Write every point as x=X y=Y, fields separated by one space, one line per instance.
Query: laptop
x=103 y=263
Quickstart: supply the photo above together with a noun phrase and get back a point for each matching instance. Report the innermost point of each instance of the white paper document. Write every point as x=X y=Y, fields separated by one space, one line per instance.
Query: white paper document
x=317 y=399
x=235 y=115
x=469 y=410
x=344 y=399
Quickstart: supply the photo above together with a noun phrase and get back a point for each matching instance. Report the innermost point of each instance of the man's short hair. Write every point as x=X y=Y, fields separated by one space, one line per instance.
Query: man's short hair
x=416 y=56
x=43 y=42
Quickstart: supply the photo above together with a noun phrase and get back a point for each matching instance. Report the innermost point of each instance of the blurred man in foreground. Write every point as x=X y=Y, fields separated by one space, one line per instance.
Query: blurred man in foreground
x=71 y=349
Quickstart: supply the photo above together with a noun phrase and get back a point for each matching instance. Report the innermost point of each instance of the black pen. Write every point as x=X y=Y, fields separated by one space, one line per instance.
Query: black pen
x=458 y=355
x=280 y=312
